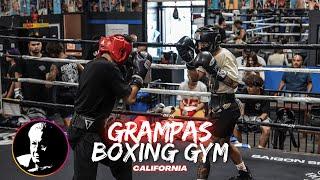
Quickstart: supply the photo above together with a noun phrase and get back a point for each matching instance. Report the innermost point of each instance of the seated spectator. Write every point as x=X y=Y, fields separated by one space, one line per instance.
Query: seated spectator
x=242 y=61
x=293 y=81
x=66 y=72
x=192 y=105
x=278 y=58
x=254 y=110
x=240 y=32
x=252 y=61
x=14 y=71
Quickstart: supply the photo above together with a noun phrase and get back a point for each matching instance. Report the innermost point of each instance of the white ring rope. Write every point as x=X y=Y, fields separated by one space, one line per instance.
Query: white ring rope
x=237 y=15
x=240 y=96
x=295 y=18
x=187 y=93
x=39 y=81
x=48 y=59
x=282 y=24
x=282 y=34
x=259 y=28
x=176 y=66
x=279 y=69
x=249 y=22
x=301 y=70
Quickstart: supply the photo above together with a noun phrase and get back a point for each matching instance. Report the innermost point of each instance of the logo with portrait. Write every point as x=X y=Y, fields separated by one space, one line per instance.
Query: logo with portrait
x=40 y=148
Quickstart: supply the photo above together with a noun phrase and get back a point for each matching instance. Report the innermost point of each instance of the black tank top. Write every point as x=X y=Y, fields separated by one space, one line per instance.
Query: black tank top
x=244 y=37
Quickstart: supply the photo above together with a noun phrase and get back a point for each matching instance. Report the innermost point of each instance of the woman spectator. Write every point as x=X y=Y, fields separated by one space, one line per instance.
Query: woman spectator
x=252 y=61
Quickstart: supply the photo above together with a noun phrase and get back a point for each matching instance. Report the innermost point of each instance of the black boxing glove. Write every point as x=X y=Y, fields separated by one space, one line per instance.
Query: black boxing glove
x=185 y=48
x=141 y=64
x=207 y=61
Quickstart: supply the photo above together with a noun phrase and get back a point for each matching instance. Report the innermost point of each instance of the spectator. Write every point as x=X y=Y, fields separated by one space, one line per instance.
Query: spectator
x=240 y=31
x=254 y=110
x=241 y=61
x=222 y=28
x=65 y=72
x=294 y=81
x=140 y=48
x=192 y=105
x=278 y=59
x=14 y=71
x=134 y=37
x=252 y=61
x=34 y=69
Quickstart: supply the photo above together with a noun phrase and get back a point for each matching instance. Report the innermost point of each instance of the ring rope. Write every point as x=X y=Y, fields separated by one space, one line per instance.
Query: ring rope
x=124 y=112
x=278 y=125
x=300 y=70
x=263 y=15
x=250 y=22
x=240 y=96
x=259 y=28
x=283 y=24
x=187 y=93
x=239 y=46
x=295 y=18
x=165 y=66
x=282 y=34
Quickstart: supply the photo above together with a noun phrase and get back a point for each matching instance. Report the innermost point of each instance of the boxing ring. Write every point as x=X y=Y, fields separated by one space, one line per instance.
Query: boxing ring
x=264 y=163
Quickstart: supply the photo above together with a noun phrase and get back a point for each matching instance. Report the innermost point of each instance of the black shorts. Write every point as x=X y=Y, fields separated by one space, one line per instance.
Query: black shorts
x=82 y=143
x=227 y=119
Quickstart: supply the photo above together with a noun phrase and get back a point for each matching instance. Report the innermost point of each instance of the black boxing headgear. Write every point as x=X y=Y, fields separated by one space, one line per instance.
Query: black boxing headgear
x=210 y=35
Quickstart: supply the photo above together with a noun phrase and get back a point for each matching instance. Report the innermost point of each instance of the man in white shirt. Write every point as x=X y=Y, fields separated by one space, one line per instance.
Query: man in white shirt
x=278 y=59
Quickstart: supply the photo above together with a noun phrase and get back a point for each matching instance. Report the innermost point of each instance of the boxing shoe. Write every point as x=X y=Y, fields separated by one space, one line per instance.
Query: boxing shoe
x=243 y=175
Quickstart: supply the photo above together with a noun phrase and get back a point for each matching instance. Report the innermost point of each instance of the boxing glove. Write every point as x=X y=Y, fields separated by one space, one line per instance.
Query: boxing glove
x=207 y=61
x=141 y=64
x=185 y=48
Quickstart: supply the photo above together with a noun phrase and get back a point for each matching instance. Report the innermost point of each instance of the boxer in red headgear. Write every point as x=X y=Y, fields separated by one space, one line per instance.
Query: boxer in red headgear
x=116 y=46
x=100 y=84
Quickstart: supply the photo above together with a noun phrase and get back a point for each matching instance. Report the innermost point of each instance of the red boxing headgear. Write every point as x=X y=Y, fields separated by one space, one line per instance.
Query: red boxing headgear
x=117 y=46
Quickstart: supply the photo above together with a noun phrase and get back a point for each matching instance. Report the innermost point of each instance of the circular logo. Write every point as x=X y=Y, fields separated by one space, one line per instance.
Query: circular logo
x=40 y=148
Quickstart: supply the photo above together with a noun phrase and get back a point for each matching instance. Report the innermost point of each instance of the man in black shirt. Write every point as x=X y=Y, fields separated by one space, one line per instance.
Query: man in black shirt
x=100 y=84
x=255 y=109
x=36 y=70
x=65 y=72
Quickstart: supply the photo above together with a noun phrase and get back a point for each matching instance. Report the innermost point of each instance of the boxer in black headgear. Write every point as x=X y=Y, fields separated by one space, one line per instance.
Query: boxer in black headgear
x=221 y=66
